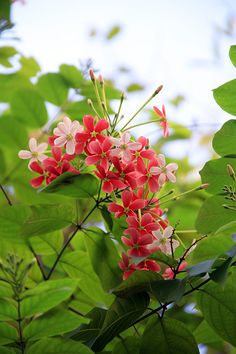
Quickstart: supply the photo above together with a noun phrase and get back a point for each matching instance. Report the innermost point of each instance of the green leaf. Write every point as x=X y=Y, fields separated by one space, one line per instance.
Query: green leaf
x=232 y=54
x=72 y=75
x=107 y=217
x=87 y=333
x=29 y=108
x=5 y=54
x=58 y=346
x=76 y=110
x=224 y=141
x=13 y=134
x=169 y=290
x=8 y=310
x=12 y=219
x=134 y=87
x=46 y=295
x=132 y=343
x=47 y=218
x=219 y=308
x=213 y=215
x=113 y=32
x=5 y=10
x=8 y=334
x=167 y=335
x=77 y=265
x=53 y=324
x=53 y=88
x=29 y=66
x=215 y=173
x=137 y=282
x=200 y=268
x=225 y=96
x=73 y=185
x=6 y=350
x=103 y=256
x=47 y=244
x=11 y=83
x=120 y=316
x=204 y=334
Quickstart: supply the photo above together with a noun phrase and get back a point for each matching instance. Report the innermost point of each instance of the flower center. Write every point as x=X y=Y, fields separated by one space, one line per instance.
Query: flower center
x=103 y=154
x=93 y=134
x=163 y=241
x=35 y=154
x=69 y=136
x=124 y=146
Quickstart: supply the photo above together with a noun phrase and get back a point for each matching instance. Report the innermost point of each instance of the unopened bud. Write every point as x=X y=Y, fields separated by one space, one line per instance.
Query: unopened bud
x=92 y=76
x=101 y=80
x=90 y=103
x=231 y=172
x=204 y=186
x=158 y=90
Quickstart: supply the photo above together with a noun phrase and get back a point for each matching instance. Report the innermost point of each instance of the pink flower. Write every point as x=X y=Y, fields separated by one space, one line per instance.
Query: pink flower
x=169 y=274
x=123 y=147
x=36 y=152
x=163 y=241
x=163 y=121
x=148 y=174
x=144 y=151
x=166 y=173
x=130 y=203
x=65 y=134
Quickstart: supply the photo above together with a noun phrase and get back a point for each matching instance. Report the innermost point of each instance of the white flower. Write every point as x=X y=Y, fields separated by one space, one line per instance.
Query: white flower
x=35 y=152
x=65 y=132
x=163 y=241
x=166 y=172
x=123 y=147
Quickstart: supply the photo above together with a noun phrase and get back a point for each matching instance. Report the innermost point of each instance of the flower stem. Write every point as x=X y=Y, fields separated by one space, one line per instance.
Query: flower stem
x=176 y=197
x=143 y=106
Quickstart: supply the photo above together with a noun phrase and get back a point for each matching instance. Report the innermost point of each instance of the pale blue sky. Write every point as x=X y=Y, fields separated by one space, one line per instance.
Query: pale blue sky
x=165 y=42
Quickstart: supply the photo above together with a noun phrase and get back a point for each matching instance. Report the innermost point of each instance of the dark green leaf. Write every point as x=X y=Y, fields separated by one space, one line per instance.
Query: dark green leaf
x=167 y=335
x=73 y=185
x=137 y=282
x=72 y=75
x=120 y=316
x=87 y=333
x=53 y=324
x=46 y=218
x=225 y=96
x=219 y=308
x=8 y=310
x=204 y=334
x=53 y=88
x=213 y=215
x=224 y=141
x=169 y=290
x=46 y=295
x=134 y=87
x=58 y=346
x=107 y=217
x=232 y=54
x=200 y=268
x=5 y=10
x=103 y=256
x=29 y=108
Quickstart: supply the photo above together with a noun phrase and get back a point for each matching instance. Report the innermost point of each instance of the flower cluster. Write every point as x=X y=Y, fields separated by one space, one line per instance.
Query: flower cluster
x=131 y=173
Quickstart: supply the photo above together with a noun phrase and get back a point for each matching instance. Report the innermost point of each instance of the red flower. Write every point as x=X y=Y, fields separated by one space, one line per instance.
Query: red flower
x=148 y=175
x=126 y=172
x=138 y=243
x=144 y=152
x=59 y=164
x=109 y=178
x=163 y=121
x=130 y=203
x=125 y=265
x=92 y=132
x=145 y=226
x=99 y=153
x=169 y=274
x=44 y=175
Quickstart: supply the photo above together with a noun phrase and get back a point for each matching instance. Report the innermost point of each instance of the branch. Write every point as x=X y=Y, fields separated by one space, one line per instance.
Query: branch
x=6 y=196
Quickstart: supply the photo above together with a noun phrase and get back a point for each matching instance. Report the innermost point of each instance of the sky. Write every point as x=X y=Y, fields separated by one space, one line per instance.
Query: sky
x=179 y=44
